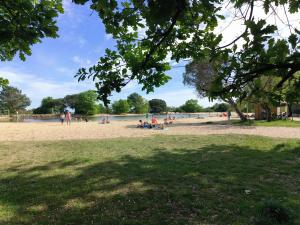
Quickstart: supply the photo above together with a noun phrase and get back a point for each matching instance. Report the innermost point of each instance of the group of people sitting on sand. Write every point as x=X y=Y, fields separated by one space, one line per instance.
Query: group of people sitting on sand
x=169 y=120
x=155 y=124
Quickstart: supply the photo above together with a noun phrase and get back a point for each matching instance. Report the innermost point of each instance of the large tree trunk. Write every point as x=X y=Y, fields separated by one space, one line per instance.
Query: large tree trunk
x=237 y=110
x=290 y=110
x=268 y=112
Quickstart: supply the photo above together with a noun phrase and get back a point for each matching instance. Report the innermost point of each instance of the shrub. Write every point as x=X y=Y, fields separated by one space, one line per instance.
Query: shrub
x=273 y=213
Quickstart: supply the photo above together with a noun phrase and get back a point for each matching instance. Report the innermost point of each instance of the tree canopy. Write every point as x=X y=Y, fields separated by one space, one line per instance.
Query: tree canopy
x=137 y=103
x=86 y=103
x=12 y=99
x=24 y=23
x=3 y=82
x=221 y=107
x=202 y=75
x=191 y=106
x=150 y=33
x=120 y=106
x=157 y=106
x=50 y=105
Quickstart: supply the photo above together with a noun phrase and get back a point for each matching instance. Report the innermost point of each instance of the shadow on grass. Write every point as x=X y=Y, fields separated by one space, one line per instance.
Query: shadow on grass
x=182 y=186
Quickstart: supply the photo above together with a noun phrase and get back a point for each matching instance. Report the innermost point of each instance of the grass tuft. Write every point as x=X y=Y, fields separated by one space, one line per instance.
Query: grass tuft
x=272 y=212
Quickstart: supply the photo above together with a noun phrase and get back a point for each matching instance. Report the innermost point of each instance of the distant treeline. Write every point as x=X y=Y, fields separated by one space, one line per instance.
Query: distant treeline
x=86 y=103
x=12 y=100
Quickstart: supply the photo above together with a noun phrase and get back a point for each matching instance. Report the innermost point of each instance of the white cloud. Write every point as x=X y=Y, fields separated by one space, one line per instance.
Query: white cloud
x=71 y=38
x=36 y=88
x=67 y=5
x=108 y=36
x=81 y=42
x=66 y=71
x=81 y=62
x=99 y=49
x=70 y=16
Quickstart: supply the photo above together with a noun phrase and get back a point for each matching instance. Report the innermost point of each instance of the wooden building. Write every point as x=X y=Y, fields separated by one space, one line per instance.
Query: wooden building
x=260 y=113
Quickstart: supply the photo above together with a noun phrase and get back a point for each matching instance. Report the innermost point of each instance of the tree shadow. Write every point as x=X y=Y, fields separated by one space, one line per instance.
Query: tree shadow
x=177 y=186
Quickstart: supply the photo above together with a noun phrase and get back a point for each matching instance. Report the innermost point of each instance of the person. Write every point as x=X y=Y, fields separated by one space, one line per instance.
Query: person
x=141 y=124
x=154 y=121
x=62 y=118
x=68 y=118
x=147 y=125
x=228 y=115
x=166 y=121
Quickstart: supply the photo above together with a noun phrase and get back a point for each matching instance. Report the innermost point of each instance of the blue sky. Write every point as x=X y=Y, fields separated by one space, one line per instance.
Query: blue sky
x=51 y=68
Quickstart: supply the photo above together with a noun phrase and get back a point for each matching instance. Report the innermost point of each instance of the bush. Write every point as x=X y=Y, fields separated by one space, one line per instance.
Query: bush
x=191 y=106
x=157 y=106
x=273 y=213
x=120 y=106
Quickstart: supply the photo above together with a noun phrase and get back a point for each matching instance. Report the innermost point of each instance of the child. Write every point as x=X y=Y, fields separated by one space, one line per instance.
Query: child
x=62 y=118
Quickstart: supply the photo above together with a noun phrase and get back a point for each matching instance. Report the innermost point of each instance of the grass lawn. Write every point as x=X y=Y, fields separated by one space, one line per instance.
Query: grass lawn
x=261 y=123
x=278 y=123
x=158 y=180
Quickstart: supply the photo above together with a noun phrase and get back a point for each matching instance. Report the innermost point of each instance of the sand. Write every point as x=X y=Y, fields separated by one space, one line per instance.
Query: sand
x=94 y=130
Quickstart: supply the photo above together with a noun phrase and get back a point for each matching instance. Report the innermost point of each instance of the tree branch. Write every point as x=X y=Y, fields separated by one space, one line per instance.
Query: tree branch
x=246 y=30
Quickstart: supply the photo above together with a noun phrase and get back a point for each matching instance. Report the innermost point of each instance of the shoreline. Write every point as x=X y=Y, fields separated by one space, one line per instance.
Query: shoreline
x=51 y=131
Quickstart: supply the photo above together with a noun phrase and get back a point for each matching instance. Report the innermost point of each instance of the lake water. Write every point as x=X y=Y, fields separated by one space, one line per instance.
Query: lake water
x=124 y=118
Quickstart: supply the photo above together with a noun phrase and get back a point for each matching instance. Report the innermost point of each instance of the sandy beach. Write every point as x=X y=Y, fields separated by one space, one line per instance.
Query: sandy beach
x=94 y=130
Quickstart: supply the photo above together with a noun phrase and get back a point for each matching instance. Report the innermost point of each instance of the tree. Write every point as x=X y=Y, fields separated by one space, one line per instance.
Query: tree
x=291 y=92
x=148 y=33
x=157 y=106
x=172 y=109
x=50 y=105
x=191 y=106
x=71 y=100
x=12 y=99
x=3 y=82
x=87 y=103
x=202 y=74
x=221 y=107
x=263 y=91
x=137 y=103
x=120 y=106
x=25 y=23
x=102 y=108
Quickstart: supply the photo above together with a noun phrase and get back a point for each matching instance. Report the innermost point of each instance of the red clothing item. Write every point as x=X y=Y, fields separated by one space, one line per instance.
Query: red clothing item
x=154 y=120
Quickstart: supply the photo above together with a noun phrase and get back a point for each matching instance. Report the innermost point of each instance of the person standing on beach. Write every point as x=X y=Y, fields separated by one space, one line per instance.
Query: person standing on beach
x=62 y=118
x=228 y=115
x=68 y=118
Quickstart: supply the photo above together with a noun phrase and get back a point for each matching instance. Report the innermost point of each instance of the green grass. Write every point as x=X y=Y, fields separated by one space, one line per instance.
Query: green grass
x=159 y=180
x=261 y=123
x=278 y=123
